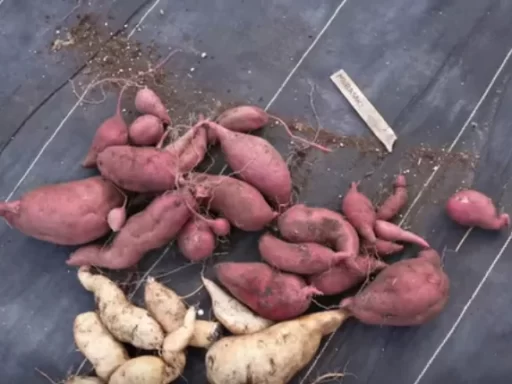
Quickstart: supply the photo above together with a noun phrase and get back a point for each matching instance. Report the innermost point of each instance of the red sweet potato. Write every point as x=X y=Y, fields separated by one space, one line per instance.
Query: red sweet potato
x=301 y=258
x=112 y=131
x=245 y=118
x=409 y=292
x=149 y=229
x=256 y=161
x=271 y=294
x=197 y=239
x=301 y=224
x=148 y=102
x=234 y=199
x=382 y=248
x=346 y=275
x=474 y=209
x=68 y=213
x=392 y=232
x=394 y=203
x=146 y=130
x=359 y=211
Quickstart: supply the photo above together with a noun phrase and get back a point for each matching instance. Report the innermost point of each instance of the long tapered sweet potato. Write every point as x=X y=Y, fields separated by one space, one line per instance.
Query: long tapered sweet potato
x=70 y=213
x=392 y=232
x=394 y=203
x=273 y=295
x=381 y=248
x=302 y=224
x=149 y=229
x=409 y=292
x=359 y=211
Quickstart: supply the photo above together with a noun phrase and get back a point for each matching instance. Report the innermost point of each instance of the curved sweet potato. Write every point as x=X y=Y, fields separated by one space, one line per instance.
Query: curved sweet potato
x=381 y=248
x=394 y=203
x=301 y=224
x=359 y=211
x=392 y=232
x=70 y=213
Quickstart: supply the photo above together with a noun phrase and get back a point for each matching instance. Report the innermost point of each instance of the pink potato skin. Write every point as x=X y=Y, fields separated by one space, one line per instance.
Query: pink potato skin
x=471 y=208
x=301 y=258
x=244 y=119
x=148 y=102
x=196 y=240
x=346 y=275
x=382 y=248
x=112 y=131
x=240 y=203
x=70 y=213
x=359 y=211
x=392 y=232
x=256 y=162
x=116 y=218
x=409 y=292
x=301 y=224
x=273 y=295
x=149 y=229
x=146 y=130
x=394 y=203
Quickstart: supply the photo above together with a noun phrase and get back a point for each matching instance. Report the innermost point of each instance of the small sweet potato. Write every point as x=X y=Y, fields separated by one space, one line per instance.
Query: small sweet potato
x=255 y=161
x=112 y=131
x=84 y=380
x=394 y=203
x=301 y=224
x=345 y=275
x=148 y=102
x=409 y=292
x=149 y=370
x=196 y=240
x=70 y=213
x=240 y=203
x=146 y=130
x=300 y=258
x=392 y=232
x=245 y=118
x=273 y=295
x=149 y=229
x=474 y=209
x=359 y=211
x=382 y=248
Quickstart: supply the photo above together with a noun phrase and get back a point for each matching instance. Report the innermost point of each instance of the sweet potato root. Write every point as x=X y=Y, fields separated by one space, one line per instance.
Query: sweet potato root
x=149 y=370
x=146 y=130
x=149 y=229
x=301 y=224
x=255 y=161
x=245 y=118
x=148 y=102
x=346 y=275
x=382 y=248
x=474 y=209
x=359 y=211
x=271 y=294
x=196 y=240
x=394 y=203
x=300 y=258
x=70 y=213
x=392 y=232
x=240 y=203
x=409 y=292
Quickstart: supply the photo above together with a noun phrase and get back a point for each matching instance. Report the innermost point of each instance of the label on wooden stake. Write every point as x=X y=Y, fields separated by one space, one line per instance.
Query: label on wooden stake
x=365 y=109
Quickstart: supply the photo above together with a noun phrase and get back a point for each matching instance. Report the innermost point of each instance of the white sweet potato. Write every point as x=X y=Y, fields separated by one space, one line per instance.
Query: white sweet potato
x=147 y=370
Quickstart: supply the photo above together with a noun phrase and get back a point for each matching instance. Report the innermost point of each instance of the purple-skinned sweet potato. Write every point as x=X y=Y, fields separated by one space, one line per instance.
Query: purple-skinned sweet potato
x=302 y=224
x=359 y=211
x=409 y=292
x=271 y=294
x=69 y=213
x=149 y=229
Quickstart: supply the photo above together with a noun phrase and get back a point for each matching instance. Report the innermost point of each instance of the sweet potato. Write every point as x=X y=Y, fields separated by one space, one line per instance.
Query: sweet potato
x=146 y=130
x=392 y=232
x=245 y=118
x=273 y=355
x=149 y=229
x=474 y=209
x=176 y=342
x=148 y=102
x=409 y=292
x=346 y=275
x=255 y=161
x=97 y=344
x=148 y=370
x=301 y=224
x=271 y=294
x=112 y=131
x=197 y=239
x=394 y=203
x=70 y=213
x=382 y=248
x=168 y=309
x=84 y=380
x=240 y=203
x=236 y=317
x=359 y=211
x=300 y=258
x=116 y=218
x=125 y=321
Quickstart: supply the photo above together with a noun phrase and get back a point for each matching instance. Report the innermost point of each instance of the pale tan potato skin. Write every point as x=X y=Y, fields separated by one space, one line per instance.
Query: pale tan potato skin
x=99 y=347
x=145 y=370
x=168 y=309
x=128 y=323
x=84 y=380
x=272 y=356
